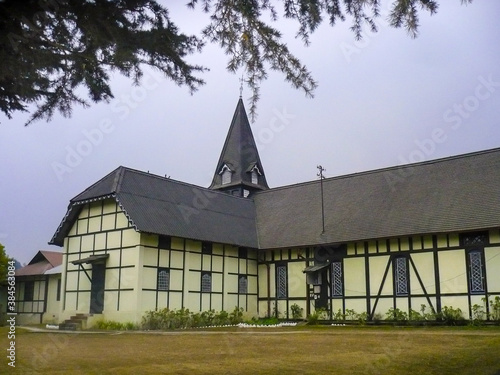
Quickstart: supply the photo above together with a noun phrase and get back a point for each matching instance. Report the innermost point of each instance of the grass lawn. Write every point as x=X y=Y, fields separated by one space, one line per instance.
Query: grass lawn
x=287 y=350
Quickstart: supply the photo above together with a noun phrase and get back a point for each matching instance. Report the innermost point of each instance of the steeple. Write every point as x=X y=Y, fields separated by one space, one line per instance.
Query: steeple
x=239 y=170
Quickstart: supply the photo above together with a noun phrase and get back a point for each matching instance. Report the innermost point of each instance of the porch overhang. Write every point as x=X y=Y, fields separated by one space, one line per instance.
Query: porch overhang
x=315 y=267
x=91 y=259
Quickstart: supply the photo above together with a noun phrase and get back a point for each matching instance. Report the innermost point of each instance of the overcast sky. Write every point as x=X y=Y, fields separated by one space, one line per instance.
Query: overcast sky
x=385 y=101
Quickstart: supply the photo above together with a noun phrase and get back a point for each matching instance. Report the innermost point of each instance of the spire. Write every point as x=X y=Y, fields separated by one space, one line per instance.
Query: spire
x=239 y=170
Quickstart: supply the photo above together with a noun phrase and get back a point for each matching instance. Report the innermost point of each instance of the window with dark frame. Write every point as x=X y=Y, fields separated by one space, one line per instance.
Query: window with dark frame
x=474 y=239
x=242 y=284
x=401 y=276
x=163 y=282
x=242 y=252
x=206 y=282
x=337 y=280
x=29 y=290
x=206 y=248
x=58 y=295
x=476 y=272
x=281 y=282
x=164 y=242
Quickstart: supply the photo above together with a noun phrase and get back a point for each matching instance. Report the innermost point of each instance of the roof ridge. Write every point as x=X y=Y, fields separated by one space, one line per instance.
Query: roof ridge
x=385 y=169
x=181 y=183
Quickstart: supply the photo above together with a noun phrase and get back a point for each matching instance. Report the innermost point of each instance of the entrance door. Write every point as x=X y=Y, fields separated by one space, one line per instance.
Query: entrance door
x=97 y=288
x=322 y=299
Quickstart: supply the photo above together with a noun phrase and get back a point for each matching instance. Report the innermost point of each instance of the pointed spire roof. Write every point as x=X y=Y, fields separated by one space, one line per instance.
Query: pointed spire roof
x=240 y=156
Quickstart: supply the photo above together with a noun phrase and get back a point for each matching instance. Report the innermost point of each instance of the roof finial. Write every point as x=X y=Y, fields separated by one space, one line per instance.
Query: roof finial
x=241 y=85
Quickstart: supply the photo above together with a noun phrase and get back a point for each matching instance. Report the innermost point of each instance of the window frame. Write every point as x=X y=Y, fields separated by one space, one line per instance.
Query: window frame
x=29 y=290
x=396 y=264
x=283 y=293
x=202 y=284
x=240 y=277
x=471 y=273
x=165 y=288
x=333 y=279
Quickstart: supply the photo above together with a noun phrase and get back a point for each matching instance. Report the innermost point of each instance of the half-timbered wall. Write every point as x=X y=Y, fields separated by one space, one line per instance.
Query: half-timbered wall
x=30 y=298
x=282 y=282
x=147 y=272
x=102 y=228
x=197 y=275
x=456 y=270
x=36 y=299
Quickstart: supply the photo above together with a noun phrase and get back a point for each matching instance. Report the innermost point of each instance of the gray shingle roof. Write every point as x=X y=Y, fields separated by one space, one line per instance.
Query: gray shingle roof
x=163 y=206
x=452 y=194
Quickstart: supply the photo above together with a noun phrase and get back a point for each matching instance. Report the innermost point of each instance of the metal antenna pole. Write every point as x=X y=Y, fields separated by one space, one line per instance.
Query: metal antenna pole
x=321 y=177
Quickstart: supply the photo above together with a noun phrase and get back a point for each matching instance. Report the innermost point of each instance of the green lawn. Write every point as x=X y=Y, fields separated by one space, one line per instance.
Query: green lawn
x=287 y=350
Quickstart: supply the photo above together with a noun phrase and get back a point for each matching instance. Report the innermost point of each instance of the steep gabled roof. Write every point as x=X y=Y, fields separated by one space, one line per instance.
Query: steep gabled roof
x=158 y=205
x=240 y=154
x=453 y=194
x=42 y=262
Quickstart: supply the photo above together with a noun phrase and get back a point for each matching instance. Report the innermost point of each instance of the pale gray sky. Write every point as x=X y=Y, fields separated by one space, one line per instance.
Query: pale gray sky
x=384 y=101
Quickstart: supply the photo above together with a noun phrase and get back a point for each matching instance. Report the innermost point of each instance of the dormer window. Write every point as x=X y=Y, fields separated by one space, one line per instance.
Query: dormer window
x=255 y=175
x=226 y=175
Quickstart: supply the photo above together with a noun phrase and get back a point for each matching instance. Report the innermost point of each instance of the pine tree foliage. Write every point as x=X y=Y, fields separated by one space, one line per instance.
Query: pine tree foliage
x=52 y=49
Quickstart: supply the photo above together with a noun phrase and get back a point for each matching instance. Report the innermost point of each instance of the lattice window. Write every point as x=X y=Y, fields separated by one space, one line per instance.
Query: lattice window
x=337 y=280
x=401 y=276
x=242 y=284
x=163 y=279
x=476 y=276
x=472 y=239
x=206 y=282
x=281 y=282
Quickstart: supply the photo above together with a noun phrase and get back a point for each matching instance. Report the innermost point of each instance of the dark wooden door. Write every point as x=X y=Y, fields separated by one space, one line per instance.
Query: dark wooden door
x=321 y=301
x=97 y=288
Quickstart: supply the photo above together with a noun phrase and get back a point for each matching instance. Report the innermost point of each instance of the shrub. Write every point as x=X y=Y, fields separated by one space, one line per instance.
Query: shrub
x=362 y=318
x=495 y=309
x=166 y=319
x=339 y=316
x=236 y=316
x=451 y=316
x=319 y=314
x=296 y=311
x=350 y=314
x=478 y=315
x=115 y=326
x=397 y=315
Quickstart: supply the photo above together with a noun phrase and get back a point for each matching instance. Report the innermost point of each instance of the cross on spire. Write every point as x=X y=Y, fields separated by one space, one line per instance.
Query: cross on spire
x=241 y=85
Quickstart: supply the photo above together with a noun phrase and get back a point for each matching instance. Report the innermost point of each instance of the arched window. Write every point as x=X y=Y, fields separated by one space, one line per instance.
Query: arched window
x=242 y=284
x=163 y=279
x=206 y=282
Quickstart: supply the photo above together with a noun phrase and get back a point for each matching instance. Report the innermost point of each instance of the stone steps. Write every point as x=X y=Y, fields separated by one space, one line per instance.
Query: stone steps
x=74 y=323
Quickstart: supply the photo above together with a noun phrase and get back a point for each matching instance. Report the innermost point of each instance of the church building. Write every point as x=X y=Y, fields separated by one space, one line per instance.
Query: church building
x=421 y=234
